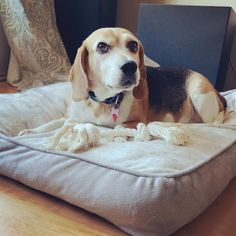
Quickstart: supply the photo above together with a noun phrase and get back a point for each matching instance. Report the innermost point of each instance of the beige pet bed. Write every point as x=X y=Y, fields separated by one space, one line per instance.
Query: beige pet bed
x=145 y=188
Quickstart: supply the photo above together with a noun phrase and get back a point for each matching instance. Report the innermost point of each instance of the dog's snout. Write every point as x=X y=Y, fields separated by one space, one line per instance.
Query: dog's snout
x=129 y=68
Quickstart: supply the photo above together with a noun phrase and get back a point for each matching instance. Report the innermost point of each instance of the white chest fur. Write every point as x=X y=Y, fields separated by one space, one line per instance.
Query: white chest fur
x=89 y=111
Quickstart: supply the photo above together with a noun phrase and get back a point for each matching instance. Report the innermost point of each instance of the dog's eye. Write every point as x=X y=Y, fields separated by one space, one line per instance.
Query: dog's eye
x=132 y=46
x=103 y=48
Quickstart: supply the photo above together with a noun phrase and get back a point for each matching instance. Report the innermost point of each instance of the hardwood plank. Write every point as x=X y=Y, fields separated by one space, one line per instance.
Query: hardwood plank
x=26 y=212
x=7 y=88
x=218 y=219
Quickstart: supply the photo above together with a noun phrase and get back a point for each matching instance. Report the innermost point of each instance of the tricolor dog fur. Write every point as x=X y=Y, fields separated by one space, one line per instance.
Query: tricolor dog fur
x=110 y=63
x=112 y=87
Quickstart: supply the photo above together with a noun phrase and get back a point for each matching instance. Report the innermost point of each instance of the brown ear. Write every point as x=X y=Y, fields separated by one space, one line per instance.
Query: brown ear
x=78 y=75
x=140 y=91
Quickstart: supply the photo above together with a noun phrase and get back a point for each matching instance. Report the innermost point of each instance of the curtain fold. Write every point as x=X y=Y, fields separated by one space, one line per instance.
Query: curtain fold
x=38 y=56
x=4 y=54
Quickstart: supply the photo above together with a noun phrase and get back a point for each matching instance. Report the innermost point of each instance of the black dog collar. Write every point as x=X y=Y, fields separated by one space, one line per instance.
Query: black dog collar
x=113 y=101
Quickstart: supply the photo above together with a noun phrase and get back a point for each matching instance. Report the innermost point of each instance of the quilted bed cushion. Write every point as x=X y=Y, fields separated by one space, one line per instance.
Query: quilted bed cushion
x=145 y=188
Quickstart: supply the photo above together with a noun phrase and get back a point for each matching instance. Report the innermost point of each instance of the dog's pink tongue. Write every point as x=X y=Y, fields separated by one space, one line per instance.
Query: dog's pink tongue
x=114 y=113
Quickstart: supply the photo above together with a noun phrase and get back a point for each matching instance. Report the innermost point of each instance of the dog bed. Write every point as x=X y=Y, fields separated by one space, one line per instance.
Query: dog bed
x=145 y=188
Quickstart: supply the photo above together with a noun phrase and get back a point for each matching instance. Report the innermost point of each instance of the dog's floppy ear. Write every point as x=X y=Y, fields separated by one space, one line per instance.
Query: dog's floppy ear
x=140 y=91
x=78 y=76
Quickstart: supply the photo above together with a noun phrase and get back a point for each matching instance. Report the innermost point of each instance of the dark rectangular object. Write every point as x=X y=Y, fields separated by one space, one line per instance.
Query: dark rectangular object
x=195 y=37
x=76 y=19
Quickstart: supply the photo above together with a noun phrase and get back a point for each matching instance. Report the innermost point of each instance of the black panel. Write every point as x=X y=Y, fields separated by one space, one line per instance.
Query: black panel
x=195 y=37
x=76 y=19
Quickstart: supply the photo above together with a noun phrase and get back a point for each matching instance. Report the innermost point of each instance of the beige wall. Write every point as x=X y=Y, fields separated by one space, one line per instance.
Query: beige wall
x=127 y=10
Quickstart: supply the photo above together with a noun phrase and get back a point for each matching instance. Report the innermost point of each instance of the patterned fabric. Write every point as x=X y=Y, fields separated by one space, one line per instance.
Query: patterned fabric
x=38 y=55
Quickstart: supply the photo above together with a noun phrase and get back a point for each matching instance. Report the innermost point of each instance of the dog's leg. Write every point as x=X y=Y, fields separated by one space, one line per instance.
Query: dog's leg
x=170 y=132
x=52 y=125
x=220 y=118
x=207 y=106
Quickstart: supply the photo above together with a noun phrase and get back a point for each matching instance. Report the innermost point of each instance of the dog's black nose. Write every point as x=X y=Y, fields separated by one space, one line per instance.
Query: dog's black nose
x=129 y=68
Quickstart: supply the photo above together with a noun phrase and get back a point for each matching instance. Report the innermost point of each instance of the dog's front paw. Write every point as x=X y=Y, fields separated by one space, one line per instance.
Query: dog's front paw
x=75 y=137
x=171 y=134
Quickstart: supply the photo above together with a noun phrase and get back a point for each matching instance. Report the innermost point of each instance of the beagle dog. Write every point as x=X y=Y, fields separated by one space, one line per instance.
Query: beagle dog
x=111 y=85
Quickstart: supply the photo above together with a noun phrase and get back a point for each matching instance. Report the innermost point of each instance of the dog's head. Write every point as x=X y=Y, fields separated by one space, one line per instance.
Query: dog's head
x=110 y=60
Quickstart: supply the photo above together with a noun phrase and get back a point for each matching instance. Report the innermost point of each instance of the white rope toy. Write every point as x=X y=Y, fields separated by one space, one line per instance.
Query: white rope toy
x=73 y=137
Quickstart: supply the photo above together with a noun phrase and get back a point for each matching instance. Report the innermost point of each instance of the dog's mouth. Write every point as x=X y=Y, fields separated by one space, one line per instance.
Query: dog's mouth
x=128 y=81
x=126 y=84
x=126 y=87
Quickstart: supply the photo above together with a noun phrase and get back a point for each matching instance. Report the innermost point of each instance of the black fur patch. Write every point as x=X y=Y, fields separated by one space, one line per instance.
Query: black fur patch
x=167 y=88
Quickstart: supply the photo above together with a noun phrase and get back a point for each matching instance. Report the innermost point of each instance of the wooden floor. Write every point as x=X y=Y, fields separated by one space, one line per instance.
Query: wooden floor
x=27 y=212
x=6 y=88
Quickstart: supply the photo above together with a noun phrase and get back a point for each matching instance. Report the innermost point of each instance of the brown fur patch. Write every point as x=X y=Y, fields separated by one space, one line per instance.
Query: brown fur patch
x=139 y=108
x=140 y=91
x=197 y=83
